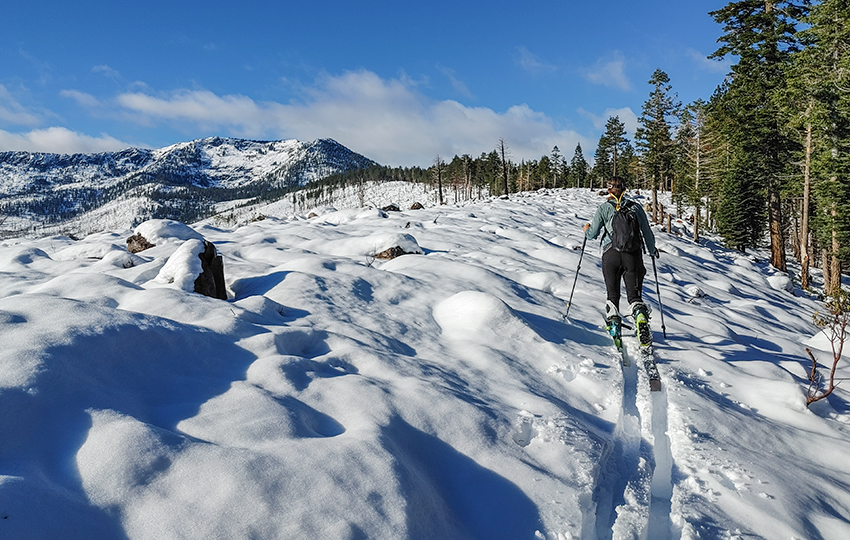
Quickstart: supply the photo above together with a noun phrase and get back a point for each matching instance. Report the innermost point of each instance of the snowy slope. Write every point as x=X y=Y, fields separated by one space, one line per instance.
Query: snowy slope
x=436 y=395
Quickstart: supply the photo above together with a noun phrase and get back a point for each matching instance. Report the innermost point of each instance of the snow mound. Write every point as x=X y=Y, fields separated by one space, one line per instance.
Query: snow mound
x=781 y=282
x=157 y=231
x=474 y=315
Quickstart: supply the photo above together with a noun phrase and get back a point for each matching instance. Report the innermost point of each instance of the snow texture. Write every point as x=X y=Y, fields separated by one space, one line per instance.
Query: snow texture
x=436 y=395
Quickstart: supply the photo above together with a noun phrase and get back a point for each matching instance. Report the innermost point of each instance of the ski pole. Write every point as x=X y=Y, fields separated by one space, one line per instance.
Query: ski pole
x=658 y=292
x=570 y=301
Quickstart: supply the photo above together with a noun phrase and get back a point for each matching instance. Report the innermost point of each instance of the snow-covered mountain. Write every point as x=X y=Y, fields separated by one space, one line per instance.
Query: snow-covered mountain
x=438 y=395
x=182 y=181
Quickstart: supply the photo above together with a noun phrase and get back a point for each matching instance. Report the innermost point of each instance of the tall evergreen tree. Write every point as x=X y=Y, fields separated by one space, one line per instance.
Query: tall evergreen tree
x=613 y=145
x=817 y=102
x=761 y=34
x=653 y=137
x=579 y=168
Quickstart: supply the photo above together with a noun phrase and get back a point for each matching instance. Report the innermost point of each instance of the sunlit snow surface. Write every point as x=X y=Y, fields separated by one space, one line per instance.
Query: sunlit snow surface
x=439 y=395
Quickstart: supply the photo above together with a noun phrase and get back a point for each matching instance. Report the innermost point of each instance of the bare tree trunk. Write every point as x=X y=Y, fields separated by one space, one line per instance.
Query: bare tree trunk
x=654 y=202
x=827 y=279
x=503 y=150
x=835 y=262
x=804 y=226
x=696 y=224
x=777 y=236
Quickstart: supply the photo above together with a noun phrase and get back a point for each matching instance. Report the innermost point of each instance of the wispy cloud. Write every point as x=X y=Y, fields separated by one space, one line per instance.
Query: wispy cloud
x=13 y=113
x=458 y=85
x=610 y=72
x=85 y=100
x=531 y=63
x=107 y=71
x=709 y=64
x=384 y=119
x=58 y=140
x=625 y=114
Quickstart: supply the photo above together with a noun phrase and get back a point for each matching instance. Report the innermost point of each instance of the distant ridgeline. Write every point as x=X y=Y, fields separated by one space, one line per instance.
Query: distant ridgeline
x=181 y=182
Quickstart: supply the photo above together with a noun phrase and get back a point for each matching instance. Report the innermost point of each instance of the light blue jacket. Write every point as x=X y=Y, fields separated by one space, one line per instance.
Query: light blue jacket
x=602 y=222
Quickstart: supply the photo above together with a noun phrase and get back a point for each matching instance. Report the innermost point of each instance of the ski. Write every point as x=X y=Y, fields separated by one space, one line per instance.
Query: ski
x=651 y=368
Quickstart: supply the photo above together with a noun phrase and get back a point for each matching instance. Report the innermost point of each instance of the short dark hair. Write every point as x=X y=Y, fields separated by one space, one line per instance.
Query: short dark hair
x=617 y=182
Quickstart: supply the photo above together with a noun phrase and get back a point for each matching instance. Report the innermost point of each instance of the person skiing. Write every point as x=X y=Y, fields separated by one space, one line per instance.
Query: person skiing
x=625 y=230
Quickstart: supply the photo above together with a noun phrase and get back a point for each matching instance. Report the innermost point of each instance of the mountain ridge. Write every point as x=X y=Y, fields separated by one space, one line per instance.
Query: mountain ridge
x=181 y=181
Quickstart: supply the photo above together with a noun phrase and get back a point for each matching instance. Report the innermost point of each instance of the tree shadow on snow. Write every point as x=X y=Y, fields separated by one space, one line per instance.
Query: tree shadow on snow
x=451 y=496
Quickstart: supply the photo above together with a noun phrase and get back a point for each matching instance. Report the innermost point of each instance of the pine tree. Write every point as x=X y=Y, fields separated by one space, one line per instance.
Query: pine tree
x=653 y=137
x=816 y=103
x=761 y=33
x=699 y=161
x=556 y=164
x=578 y=168
x=613 y=145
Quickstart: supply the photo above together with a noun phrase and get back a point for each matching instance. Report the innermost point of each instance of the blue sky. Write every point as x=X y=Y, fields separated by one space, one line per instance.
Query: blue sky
x=399 y=82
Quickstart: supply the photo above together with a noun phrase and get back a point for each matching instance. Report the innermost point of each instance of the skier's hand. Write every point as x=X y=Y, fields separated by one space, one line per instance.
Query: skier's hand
x=657 y=254
x=586 y=226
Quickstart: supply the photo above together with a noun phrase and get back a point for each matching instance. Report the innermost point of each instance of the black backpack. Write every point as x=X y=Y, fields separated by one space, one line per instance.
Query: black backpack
x=625 y=233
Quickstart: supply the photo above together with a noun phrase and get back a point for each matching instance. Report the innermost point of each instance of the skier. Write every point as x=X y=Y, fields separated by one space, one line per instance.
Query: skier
x=626 y=230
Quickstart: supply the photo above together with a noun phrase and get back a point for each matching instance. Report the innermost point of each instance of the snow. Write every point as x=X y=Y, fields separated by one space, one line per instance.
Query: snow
x=440 y=394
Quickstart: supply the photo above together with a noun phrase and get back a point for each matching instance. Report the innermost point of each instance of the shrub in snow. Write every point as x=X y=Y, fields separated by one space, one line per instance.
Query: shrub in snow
x=834 y=323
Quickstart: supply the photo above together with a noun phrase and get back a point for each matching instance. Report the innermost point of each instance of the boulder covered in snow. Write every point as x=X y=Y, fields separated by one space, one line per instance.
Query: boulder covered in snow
x=395 y=245
x=195 y=266
x=158 y=231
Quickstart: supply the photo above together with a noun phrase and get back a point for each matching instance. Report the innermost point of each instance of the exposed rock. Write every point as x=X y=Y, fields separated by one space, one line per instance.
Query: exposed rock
x=312 y=215
x=391 y=208
x=211 y=281
x=391 y=253
x=416 y=206
x=137 y=243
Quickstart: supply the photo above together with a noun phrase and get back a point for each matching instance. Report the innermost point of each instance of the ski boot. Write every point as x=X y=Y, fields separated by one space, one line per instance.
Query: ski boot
x=613 y=324
x=640 y=311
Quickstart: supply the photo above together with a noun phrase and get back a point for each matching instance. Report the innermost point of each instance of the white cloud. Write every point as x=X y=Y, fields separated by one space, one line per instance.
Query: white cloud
x=531 y=63
x=384 y=119
x=13 y=113
x=107 y=72
x=610 y=72
x=708 y=64
x=625 y=114
x=58 y=140
x=86 y=100
x=459 y=86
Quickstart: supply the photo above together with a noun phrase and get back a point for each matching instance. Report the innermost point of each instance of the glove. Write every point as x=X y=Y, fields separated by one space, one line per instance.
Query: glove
x=657 y=254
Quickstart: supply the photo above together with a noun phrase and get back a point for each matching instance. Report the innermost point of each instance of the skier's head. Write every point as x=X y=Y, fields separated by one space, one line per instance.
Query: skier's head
x=616 y=186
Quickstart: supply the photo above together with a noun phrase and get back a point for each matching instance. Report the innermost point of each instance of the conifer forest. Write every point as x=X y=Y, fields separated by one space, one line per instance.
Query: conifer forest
x=764 y=161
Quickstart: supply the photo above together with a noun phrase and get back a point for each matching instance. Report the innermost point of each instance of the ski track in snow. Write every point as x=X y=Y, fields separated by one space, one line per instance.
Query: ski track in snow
x=634 y=488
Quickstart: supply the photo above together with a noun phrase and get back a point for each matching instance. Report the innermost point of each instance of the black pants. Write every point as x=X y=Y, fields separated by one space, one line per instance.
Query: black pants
x=628 y=266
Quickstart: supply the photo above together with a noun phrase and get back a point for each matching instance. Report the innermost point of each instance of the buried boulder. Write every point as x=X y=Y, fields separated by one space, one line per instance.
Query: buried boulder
x=195 y=266
x=211 y=280
x=138 y=243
